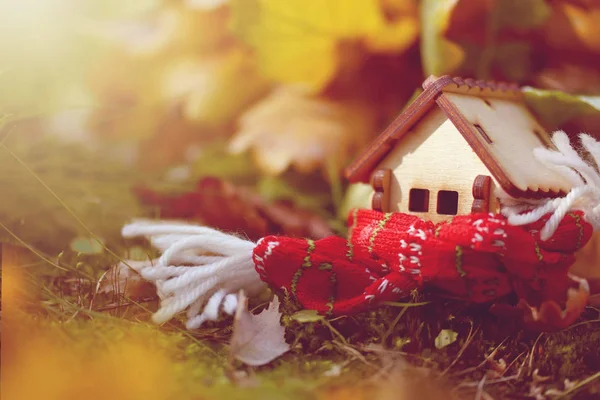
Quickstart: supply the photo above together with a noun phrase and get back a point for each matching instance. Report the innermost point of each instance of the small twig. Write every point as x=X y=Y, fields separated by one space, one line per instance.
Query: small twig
x=400 y=353
x=114 y=306
x=393 y=325
x=382 y=373
x=521 y=368
x=486 y=396
x=335 y=331
x=480 y=388
x=98 y=283
x=266 y=303
x=590 y=321
x=530 y=364
x=357 y=354
x=338 y=318
x=580 y=384
x=509 y=366
x=492 y=354
x=490 y=382
x=32 y=249
x=462 y=350
x=72 y=317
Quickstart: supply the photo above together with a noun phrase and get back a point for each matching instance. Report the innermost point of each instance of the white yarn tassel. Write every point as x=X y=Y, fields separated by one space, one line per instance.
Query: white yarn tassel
x=584 y=177
x=187 y=278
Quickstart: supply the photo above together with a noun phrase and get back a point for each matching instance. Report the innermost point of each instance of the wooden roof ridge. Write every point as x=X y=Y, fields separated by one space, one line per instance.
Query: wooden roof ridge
x=360 y=169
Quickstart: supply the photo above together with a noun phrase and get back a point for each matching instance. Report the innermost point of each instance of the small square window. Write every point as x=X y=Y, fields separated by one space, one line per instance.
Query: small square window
x=418 y=200
x=447 y=202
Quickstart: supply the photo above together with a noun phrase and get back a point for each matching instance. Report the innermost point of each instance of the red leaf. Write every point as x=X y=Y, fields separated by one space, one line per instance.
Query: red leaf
x=222 y=205
x=550 y=315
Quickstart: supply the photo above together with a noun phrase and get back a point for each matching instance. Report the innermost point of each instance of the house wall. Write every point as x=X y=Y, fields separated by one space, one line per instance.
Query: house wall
x=433 y=156
x=512 y=134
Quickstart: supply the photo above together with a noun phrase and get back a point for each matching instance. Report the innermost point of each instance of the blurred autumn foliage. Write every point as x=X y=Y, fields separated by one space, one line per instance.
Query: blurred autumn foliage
x=250 y=107
x=301 y=85
x=98 y=97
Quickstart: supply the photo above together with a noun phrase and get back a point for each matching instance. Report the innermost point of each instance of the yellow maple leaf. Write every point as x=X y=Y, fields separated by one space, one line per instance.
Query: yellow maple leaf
x=292 y=127
x=439 y=54
x=400 y=30
x=300 y=41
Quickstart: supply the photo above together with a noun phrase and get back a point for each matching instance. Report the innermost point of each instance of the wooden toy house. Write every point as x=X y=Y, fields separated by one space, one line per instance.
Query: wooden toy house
x=454 y=149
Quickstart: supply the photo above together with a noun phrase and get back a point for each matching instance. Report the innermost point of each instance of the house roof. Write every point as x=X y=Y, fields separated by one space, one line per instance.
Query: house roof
x=498 y=164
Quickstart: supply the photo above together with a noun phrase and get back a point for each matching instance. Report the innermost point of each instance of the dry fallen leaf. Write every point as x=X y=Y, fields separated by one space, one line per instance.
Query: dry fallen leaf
x=222 y=205
x=549 y=315
x=291 y=127
x=123 y=281
x=257 y=339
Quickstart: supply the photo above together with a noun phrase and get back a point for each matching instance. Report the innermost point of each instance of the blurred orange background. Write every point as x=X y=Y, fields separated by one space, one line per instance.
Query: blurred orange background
x=98 y=96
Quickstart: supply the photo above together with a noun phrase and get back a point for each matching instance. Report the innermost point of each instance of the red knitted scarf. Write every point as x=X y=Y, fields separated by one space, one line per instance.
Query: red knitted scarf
x=476 y=257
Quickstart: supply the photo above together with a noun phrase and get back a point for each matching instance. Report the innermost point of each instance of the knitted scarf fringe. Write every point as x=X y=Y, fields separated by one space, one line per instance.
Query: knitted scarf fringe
x=202 y=269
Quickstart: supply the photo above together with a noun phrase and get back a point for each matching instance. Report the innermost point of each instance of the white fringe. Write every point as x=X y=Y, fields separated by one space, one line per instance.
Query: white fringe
x=584 y=177
x=187 y=278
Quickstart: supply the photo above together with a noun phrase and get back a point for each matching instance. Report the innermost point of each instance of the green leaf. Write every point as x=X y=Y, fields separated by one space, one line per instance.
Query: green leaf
x=216 y=161
x=305 y=316
x=445 y=338
x=357 y=195
x=556 y=108
x=137 y=253
x=273 y=188
x=86 y=245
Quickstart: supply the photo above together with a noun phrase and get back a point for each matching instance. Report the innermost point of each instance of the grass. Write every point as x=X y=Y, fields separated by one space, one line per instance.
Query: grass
x=360 y=356
x=73 y=342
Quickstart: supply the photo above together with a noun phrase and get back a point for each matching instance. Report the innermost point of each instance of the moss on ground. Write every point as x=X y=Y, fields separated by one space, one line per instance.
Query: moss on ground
x=377 y=354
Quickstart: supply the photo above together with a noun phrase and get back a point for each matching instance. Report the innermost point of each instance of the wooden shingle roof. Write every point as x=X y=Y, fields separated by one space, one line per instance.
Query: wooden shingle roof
x=508 y=158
